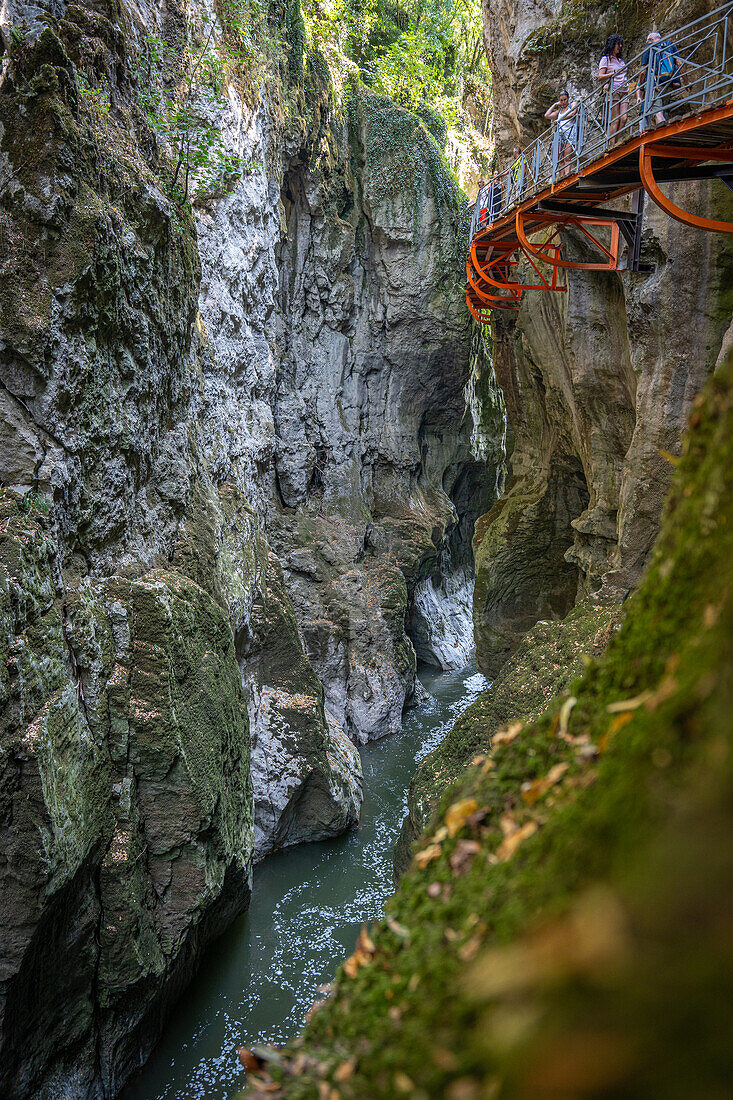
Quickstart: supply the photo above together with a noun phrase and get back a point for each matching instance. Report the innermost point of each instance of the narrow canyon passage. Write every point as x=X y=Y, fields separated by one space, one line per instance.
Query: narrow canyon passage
x=308 y=905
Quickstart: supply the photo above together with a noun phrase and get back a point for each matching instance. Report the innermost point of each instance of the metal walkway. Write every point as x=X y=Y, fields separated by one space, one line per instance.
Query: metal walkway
x=516 y=231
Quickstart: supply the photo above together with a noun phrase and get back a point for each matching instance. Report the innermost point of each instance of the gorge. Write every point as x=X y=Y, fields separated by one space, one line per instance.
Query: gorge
x=252 y=451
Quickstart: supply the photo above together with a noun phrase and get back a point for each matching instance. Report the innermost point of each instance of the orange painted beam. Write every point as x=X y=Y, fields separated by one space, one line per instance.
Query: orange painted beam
x=611 y=262
x=689 y=152
x=654 y=191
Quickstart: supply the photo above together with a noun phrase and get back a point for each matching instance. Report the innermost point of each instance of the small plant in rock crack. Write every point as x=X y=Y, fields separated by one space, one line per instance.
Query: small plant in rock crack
x=33 y=501
x=95 y=99
x=180 y=89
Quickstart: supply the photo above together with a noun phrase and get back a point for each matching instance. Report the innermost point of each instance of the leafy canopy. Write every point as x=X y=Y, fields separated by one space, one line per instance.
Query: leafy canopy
x=418 y=52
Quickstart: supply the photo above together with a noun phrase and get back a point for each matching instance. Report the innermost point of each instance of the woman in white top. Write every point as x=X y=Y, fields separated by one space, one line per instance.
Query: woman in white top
x=612 y=73
x=563 y=112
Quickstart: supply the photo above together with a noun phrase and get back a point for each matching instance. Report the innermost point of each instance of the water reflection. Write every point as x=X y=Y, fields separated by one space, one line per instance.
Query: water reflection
x=259 y=979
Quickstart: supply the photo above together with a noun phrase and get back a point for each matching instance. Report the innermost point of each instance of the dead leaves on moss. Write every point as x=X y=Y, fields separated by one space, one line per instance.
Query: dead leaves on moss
x=363 y=954
x=513 y=837
x=507 y=735
x=462 y=814
x=461 y=857
x=427 y=855
x=458 y=814
x=534 y=790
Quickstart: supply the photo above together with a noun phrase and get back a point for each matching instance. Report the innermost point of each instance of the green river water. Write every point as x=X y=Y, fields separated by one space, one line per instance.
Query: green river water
x=257 y=982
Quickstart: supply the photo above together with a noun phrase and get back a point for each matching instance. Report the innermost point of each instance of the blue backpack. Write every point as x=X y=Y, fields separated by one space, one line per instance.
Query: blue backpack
x=667 y=65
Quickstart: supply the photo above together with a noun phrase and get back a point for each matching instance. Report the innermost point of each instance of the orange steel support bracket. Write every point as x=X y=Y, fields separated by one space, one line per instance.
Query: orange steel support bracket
x=488 y=296
x=493 y=269
x=646 y=152
x=562 y=221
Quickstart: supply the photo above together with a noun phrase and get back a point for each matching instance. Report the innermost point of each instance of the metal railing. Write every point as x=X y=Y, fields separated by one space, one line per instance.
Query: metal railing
x=702 y=79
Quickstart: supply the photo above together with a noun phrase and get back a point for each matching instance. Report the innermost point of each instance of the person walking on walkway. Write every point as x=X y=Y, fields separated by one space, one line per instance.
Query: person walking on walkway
x=481 y=201
x=516 y=173
x=563 y=112
x=661 y=67
x=612 y=73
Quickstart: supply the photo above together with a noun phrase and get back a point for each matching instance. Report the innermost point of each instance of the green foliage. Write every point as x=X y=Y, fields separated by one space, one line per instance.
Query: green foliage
x=94 y=99
x=419 y=53
x=180 y=91
x=434 y=122
x=295 y=39
x=32 y=501
x=401 y=154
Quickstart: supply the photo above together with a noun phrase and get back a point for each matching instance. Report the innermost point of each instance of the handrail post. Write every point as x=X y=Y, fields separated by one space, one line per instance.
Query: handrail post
x=579 y=134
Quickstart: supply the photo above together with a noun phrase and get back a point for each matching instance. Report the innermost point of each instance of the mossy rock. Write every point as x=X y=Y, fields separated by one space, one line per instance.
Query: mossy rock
x=550 y=657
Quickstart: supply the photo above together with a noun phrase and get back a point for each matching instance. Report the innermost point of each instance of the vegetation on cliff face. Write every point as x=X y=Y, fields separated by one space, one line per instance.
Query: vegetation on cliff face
x=549 y=658
x=562 y=930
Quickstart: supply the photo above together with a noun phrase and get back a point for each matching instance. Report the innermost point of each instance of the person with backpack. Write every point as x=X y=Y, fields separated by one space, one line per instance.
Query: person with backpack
x=661 y=65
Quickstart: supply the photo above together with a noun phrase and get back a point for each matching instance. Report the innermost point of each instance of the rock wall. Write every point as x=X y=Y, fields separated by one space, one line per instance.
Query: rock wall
x=234 y=445
x=598 y=382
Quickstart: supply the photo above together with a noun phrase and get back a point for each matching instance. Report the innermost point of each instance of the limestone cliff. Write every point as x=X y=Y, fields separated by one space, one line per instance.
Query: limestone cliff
x=234 y=450
x=597 y=381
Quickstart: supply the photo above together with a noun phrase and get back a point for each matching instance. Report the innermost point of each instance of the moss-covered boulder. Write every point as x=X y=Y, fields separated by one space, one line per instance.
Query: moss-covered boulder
x=563 y=930
x=547 y=661
x=126 y=811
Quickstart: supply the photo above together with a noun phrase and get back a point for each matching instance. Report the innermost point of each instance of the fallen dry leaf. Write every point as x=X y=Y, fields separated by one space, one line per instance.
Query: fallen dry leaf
x=614 y=726
x=402 y=1082
x=665 y=691
x=504 y=736
x=577 y=741
x=365 y=943
x=465 y=1088
x=629 y=704
x=427 y=855
x=457 y=815
x=565 y=711
x=444 y=1059
x=351 y=968
x=470 y=947
x=259 y=1084
x=510 y=843
x=398 y=929
x=249 y=1060
x=345 y=1070
x=462 y=856
x=710 y=615
x=538 y=787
